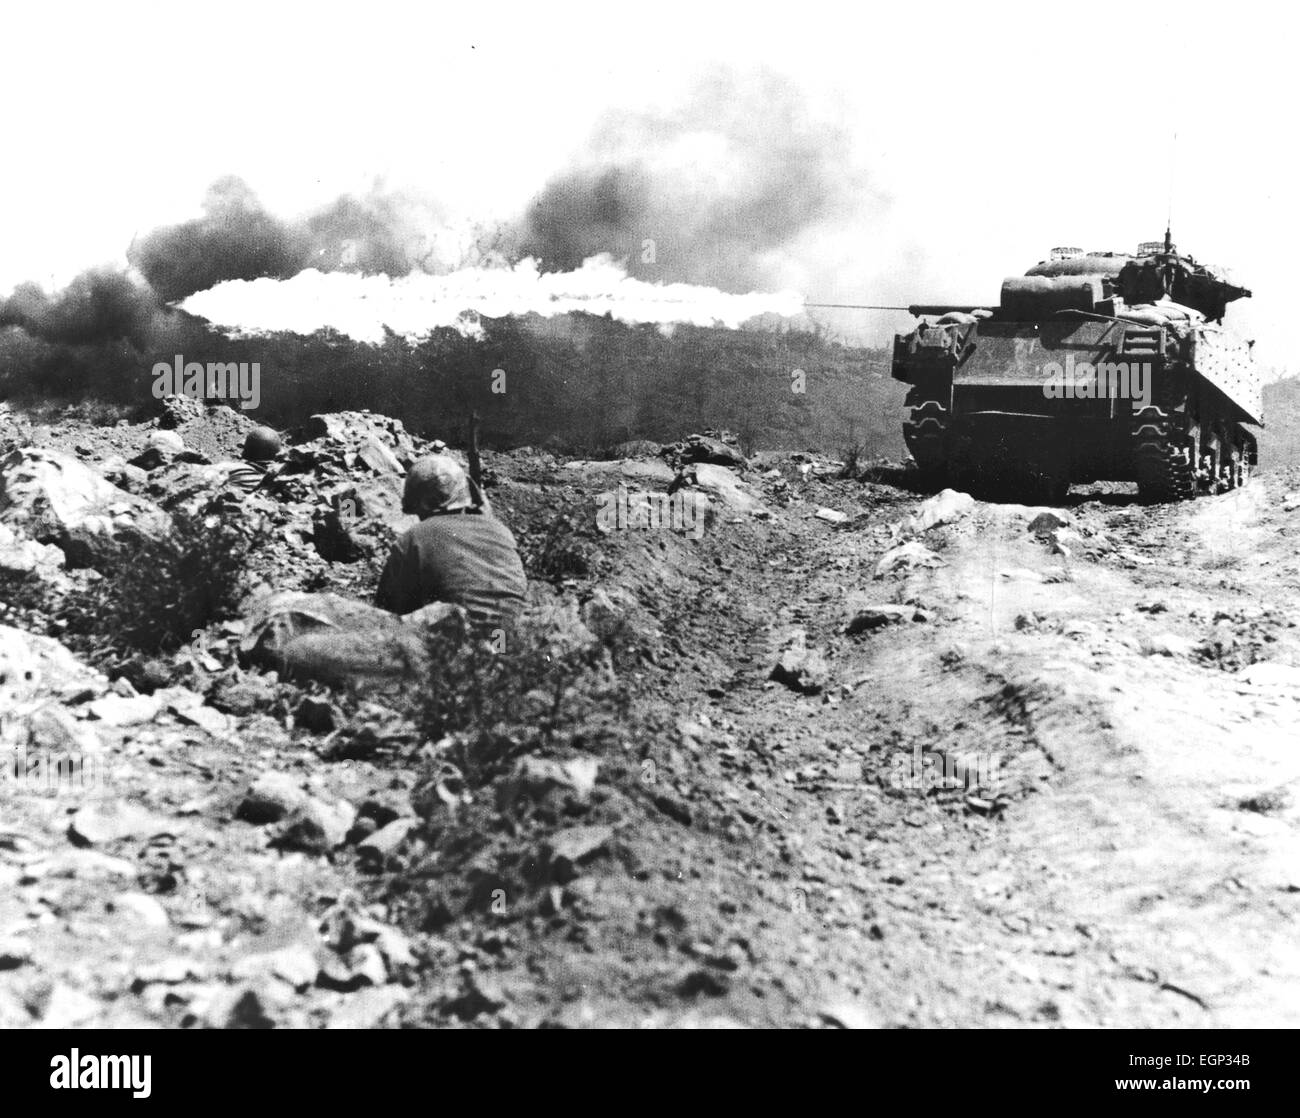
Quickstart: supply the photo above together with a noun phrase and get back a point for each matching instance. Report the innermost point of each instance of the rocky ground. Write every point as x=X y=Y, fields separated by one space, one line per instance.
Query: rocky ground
x=746 y=817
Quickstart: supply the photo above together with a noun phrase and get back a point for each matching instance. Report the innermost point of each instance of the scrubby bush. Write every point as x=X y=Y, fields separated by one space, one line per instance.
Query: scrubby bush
x=563 y=547
x=493 y=697
x=852 y=456
x=156 y=592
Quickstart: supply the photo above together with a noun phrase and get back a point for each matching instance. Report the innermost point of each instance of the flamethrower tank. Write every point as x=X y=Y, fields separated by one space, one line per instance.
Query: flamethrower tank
x=1091 y=367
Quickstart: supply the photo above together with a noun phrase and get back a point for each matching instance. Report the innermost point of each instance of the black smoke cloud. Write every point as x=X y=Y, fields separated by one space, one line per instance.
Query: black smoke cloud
x=99 y=305
x=717 y=192
x=237 y=239
x=234 y=239
x=374 y=235
x=728 y=190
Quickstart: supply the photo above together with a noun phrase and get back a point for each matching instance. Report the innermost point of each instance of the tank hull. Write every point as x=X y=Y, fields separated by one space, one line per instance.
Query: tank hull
x=1081 y=398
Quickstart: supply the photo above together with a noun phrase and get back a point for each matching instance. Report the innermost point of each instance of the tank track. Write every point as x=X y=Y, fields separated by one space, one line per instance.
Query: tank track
x=1163 y=451
x=925 y=430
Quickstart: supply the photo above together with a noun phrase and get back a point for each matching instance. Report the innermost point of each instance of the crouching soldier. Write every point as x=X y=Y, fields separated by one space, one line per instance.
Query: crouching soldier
x=459 y=553
x=458 y=557
x=261 y=448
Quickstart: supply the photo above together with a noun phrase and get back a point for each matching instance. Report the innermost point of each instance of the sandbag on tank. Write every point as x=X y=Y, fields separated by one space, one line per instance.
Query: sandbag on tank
x=1031 y=297
x=1165 y=313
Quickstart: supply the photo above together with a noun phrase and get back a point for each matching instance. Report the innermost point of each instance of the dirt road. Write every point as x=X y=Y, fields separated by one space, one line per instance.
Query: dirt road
x=1133 y=862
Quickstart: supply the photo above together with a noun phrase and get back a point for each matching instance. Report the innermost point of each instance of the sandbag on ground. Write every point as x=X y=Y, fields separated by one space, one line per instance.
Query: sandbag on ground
x=278 y=618
x=340 y=640
x=368 y=657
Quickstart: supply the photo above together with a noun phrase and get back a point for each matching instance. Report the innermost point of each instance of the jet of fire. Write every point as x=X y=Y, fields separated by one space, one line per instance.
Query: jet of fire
x=412 y=305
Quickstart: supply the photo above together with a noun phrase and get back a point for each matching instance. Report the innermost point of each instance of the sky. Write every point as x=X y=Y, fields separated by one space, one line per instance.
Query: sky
x=982 y=135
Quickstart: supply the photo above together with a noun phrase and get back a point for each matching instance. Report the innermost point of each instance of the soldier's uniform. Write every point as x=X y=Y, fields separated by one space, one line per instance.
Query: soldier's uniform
x=245 y=477
x=458 y=553
x=260 y=450
x=466 y=557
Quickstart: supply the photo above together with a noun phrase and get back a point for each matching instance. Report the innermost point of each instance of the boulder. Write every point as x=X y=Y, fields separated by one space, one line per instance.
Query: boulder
x=315 y=827
x=1064 y=541
x=567 y=850
x=360 y=520
x=168 y=442
x=188 y=487
x=907 y=557
x=704 y=448
x=1167 y=644
x=1270 y=674
x=944 y=507
x=832 y=516
x=176 y=411
x=124 y=475
x=867 y=618
x=720 y=482
x=20 y=555
x=160 y=448
x=53 y=498
x=1045 y=523
x=357 y=429
x=379 y=458
x=801 y=668
x=120 y=710
x=31 y=664
x=101 y=822
x=644 y=471
x=537 y=777
x=388 y=838
x=270 y=798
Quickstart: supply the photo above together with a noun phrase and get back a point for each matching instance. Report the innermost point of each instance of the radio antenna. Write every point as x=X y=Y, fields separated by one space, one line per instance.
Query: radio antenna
x=1169 y=213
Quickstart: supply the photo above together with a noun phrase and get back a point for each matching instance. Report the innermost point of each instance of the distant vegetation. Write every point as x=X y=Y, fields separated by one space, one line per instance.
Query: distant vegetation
x=576 y=382
x=579 y=383
x=1279 y=442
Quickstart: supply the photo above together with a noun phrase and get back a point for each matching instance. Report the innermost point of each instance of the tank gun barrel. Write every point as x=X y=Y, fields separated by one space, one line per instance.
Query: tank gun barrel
x=919 y=309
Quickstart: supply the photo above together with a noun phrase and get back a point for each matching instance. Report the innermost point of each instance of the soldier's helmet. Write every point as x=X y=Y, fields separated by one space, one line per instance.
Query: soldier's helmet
x=261 y=444
x=437 y=483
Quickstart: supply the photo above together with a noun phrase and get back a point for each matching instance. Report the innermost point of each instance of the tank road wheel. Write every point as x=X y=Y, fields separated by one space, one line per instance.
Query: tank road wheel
x=1235 y=477
x=1238 y=456
x=1210 y=472
x=1249 y=456
x=925 y=431
x=1165 y=455
x=1212 y=477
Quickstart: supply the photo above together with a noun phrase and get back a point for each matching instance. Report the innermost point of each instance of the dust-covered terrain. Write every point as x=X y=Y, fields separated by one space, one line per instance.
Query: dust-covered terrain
x=813 y=747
